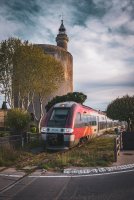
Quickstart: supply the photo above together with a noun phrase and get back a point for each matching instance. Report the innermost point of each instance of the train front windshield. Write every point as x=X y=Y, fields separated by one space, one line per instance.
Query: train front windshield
x=58 y=117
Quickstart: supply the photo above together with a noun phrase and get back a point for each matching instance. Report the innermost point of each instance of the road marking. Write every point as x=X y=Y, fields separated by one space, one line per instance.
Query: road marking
x=82 y=172
x=12 y=175
x=82 y=175
x=98 y=170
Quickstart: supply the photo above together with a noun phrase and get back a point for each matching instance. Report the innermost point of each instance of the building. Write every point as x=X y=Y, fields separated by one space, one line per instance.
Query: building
x=61 y=54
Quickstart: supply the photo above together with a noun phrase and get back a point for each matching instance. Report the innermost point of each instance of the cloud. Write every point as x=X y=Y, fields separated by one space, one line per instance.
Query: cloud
x=101 y=40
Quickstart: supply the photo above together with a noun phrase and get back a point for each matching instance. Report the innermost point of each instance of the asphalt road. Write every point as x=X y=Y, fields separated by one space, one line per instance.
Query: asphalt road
x=113 y=186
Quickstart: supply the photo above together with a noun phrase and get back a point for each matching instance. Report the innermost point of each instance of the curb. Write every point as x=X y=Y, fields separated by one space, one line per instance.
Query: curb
x=98 y=170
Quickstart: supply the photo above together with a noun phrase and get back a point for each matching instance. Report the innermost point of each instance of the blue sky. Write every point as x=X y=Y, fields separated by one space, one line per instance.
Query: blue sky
x=101 y=40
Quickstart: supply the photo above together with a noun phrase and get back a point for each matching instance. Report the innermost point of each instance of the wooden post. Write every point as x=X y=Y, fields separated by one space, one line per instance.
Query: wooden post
x=115 y=149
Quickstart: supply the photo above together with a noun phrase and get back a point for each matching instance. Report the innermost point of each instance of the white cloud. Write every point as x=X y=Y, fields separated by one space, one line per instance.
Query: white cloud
x=101 y=52
x=8 y=27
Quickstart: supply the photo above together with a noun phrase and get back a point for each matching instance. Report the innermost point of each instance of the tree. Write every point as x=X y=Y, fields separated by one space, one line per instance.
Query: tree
x=18 y=120
x=27 y=72
x=7 y=50
x=122 y=109
x=38 y=75
x=78 y=97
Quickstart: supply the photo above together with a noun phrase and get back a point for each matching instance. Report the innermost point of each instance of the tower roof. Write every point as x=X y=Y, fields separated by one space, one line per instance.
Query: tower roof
x=62 y=29
x=62 y=38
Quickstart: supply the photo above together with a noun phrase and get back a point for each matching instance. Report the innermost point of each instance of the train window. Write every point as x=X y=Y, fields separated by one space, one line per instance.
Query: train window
x=59 y=114
x=89 y=119
x=58 y=117
x=93 y=121
x=84 y=119
x=102 y=125
x=78 y=121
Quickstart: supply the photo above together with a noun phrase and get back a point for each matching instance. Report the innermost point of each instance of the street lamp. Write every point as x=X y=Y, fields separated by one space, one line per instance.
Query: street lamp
x=4 y=107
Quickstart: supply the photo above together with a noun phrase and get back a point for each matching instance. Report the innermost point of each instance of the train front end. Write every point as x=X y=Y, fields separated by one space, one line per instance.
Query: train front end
x=57 y=131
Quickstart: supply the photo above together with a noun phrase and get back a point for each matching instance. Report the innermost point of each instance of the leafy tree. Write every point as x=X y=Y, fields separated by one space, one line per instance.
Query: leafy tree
x=18 y=120
x=26 y=72
x=78 y=97
x=122 y=109
x=7 y=50
x=27 y=60
x=38 y=75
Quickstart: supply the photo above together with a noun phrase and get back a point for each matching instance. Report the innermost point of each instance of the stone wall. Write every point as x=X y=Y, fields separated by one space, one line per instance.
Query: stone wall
x=67 y=61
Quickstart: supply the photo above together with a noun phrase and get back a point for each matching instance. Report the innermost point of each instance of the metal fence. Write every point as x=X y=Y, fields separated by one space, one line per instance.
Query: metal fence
x=18 y=141
x=14 y=140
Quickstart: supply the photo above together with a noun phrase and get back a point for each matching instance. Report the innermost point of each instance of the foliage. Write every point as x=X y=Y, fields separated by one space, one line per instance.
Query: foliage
x=7 y=50
x=4 y=133
x=37 y=76
x=26 y=73
x=8 y=155
x=98 y=152
x=122 y=109
x=33 y=129
x=78 y=97
x=18 y=120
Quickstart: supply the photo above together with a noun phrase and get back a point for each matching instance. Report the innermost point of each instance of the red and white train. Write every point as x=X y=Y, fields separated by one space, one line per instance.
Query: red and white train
x=68 y=123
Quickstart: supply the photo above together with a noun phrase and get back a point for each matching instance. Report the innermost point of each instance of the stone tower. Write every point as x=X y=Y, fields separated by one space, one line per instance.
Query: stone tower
x=61 y=54
x=62 y=38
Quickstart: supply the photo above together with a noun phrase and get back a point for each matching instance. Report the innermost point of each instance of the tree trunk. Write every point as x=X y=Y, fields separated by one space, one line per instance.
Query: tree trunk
x=41 y=113
x=33 y=106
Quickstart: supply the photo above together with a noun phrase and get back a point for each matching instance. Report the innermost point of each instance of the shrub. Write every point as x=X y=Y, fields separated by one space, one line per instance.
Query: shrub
x=8 y=155
x=18 y=120
x=33 y=129
x=78 y=97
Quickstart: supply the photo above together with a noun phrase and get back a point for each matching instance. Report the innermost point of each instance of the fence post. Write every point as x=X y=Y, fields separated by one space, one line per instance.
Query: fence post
x=115 y=149
x=121 y=143
x=28 y=136
x=22 y=141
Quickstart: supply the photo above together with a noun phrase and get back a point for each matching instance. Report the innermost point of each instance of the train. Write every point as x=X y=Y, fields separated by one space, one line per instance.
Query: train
x=69 y=123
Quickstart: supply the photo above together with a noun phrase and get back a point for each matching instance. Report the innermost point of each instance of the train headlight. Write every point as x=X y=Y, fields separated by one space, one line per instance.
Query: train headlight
x=68 y=130
x=44 y=129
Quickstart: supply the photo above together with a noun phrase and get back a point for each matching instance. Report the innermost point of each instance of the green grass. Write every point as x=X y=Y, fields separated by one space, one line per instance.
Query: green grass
x=8 y=155
x=97 y=152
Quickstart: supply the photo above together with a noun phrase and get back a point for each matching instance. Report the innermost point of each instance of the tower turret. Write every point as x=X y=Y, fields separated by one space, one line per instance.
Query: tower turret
x=62 y=38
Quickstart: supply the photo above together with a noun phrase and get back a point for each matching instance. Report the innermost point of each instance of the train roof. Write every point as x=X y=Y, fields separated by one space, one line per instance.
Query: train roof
x=68 y=104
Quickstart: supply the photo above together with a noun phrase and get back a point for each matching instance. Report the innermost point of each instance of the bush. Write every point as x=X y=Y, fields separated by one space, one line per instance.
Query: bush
x=18 y=120
x=33 y=129
x=8 y=155
x=78 y=97
x=4 y=133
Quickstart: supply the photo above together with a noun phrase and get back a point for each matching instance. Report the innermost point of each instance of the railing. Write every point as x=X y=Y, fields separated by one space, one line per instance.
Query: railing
x=14 y=140
x=19 y=140
x=117 y=146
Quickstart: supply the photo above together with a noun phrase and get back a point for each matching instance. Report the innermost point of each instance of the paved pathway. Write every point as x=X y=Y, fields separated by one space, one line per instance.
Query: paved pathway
x=10 y=176
x=125 y=157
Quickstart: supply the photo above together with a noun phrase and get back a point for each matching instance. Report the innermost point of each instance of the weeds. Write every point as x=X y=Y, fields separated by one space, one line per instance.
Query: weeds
x=8 y=155
x=98 y=152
